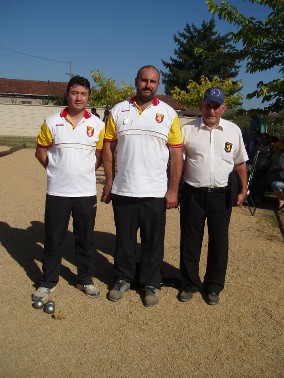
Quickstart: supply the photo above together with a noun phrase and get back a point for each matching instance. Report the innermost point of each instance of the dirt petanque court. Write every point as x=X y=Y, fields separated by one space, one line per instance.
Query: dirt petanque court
x=241 y=337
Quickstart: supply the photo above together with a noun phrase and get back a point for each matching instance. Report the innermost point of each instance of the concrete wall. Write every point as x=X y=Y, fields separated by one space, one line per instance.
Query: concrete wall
x=26 y=120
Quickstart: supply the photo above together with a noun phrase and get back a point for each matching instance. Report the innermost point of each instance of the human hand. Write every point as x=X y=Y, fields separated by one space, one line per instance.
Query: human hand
x=241 y=199
x=171 y=200
x=106 y=194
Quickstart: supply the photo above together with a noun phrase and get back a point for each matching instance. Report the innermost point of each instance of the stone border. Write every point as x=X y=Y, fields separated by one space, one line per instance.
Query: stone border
x=12 y=149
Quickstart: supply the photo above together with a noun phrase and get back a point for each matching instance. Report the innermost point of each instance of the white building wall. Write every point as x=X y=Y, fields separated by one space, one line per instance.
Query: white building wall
x=26 y=120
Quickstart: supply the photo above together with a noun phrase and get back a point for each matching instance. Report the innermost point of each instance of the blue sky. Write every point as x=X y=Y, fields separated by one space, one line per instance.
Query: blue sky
x=115 y=37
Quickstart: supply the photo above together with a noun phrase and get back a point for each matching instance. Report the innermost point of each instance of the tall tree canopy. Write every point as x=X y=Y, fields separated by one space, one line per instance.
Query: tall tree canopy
x=262 y=45
x=200 y=52
x=192 y=97
x=105 y=93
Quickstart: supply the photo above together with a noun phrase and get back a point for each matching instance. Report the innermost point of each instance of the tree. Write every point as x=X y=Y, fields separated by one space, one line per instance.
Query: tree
x=106 y=94
x=200 y=52
x=195 y=92
x=262 y=45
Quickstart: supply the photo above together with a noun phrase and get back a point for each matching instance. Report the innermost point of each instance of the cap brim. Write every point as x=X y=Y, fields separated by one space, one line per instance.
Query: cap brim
x=213 y=99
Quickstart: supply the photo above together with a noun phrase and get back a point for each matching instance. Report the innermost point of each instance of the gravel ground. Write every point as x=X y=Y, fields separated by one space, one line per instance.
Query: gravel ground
x=241 y=337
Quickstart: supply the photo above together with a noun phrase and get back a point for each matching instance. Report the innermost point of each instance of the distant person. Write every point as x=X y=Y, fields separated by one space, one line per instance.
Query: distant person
x=94 y=112
x=141 y=134
x=252 y=144
x=259 y=184
x=69 y=147
x=106 y=114
x=213 y=147
x=278 y=182
x=256 y=124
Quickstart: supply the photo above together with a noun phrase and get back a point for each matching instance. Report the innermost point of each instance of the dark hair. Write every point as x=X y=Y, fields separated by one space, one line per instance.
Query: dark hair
x=148 y=66
x=79 y=80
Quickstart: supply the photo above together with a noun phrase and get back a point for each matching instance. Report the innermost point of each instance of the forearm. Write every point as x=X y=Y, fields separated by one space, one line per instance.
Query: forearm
x=109 y=169
x=108 y=161
x=241 y=171
x=41 y=155
x=176 y=166
x=99 y=159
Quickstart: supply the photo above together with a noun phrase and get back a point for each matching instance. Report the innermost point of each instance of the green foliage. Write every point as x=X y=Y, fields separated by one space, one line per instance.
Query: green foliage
x=200 y=52
x=106 y=94
x=262 y=45
x=273 y=124
x=192 y=98
x=14 y=141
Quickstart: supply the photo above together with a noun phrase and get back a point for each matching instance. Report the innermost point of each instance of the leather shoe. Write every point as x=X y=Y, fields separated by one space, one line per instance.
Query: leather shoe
x=213 y=298
x=185 y=295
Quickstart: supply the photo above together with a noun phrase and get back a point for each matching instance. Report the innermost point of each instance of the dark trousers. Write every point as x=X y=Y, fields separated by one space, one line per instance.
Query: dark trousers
x=148 y=214
x=195 y=207
x=57 y=215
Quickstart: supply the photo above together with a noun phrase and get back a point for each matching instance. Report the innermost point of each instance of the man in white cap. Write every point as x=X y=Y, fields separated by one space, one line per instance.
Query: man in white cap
x=213 y=148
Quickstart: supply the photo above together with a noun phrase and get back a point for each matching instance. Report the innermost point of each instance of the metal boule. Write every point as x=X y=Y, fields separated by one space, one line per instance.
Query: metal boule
x=49 y=308
x=38 y=304
x=50 y=303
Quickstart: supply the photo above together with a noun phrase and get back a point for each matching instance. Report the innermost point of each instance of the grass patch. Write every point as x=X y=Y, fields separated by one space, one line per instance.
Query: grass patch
x=13 y=141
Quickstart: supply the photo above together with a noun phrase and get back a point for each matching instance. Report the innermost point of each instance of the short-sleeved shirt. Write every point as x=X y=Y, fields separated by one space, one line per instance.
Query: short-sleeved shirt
x=210 y=155
x=71 y=153
x=142 y=153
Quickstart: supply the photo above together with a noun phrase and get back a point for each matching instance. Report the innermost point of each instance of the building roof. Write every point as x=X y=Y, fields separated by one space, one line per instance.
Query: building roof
x=32 y=87
x=181 y=109
x=56 y=88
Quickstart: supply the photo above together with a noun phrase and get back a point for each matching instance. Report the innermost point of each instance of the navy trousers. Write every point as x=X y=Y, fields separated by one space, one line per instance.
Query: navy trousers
x=148 y=214
x=197 y=206
x=57 y=214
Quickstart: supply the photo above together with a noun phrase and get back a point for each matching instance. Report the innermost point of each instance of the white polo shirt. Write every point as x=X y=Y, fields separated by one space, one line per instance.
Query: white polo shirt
x=210 y=155
x=142 y=153
x=71 y=154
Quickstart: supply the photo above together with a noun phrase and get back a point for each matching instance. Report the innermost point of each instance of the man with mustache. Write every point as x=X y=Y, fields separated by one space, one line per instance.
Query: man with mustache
x=140 y=135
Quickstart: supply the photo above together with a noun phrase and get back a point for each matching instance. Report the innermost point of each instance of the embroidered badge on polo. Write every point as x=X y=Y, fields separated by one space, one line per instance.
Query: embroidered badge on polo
x=228 y=147
x=90 y=131
x=159 y=117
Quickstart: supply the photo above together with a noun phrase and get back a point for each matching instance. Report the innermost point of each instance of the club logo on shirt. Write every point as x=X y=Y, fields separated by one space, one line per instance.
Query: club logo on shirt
x=90 y=131
x=159 y=117
x=228 y=147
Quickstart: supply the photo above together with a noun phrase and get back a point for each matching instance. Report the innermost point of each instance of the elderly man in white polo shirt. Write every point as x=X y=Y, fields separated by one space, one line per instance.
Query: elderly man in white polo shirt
x=213 y=147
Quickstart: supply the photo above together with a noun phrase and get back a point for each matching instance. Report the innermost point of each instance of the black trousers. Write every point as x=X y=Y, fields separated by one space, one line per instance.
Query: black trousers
x=148 y=214
x=57 y=215
x=197 y=206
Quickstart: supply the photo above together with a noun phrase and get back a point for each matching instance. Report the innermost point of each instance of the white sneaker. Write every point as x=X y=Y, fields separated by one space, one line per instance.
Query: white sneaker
x=90 y=290
x=42 y=293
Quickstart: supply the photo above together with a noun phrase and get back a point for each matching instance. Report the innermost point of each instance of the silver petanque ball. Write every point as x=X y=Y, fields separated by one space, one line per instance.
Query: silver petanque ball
x=50 y=303
x=49 y=307
x=38 y=304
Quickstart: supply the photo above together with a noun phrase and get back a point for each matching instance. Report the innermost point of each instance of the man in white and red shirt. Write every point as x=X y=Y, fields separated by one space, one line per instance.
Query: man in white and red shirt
x=69 y=147
x=141 y=134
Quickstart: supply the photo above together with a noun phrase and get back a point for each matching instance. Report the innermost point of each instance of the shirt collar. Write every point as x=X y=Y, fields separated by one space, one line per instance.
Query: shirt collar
x=155 y=101
x=221 y=125
x=64 y=113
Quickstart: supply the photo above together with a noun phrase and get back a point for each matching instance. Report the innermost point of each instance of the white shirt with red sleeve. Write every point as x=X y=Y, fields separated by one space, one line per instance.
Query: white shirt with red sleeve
x=142 y=152
x=71 y=153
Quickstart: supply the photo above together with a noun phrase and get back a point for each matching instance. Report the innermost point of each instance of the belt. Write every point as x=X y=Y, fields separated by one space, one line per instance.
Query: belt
x=223 y=189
